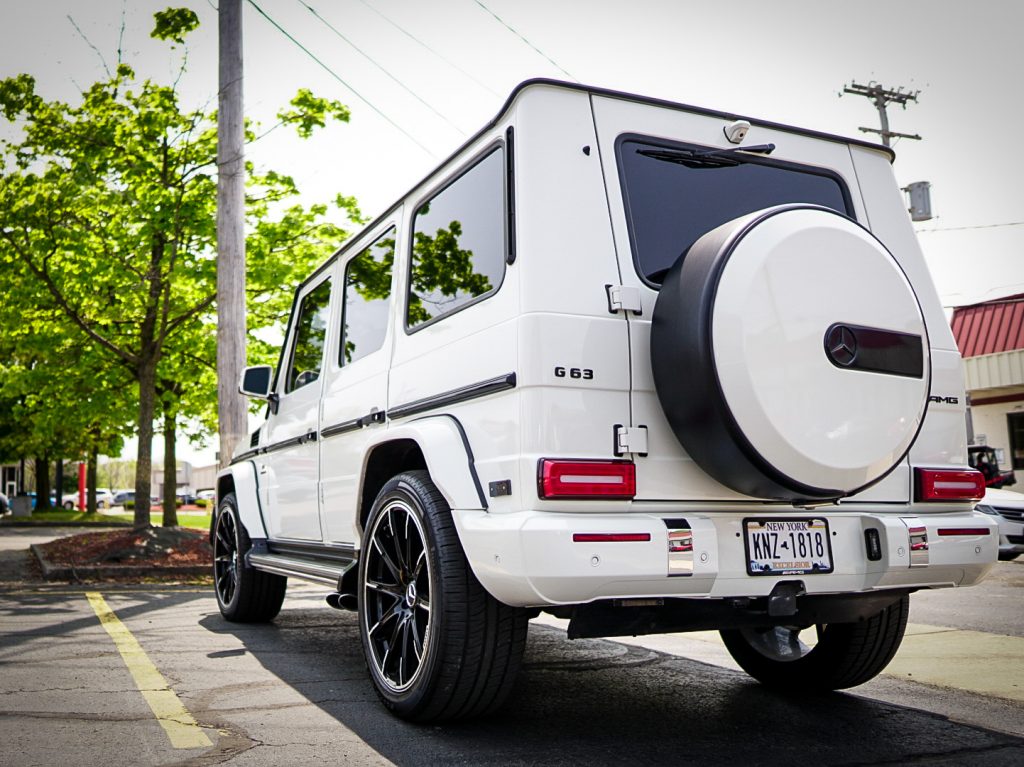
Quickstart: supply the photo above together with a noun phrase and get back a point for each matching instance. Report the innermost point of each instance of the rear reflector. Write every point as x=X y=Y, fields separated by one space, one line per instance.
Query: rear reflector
x=610 y=537
x=963 y=531
x=586 y=479
x=944 y=485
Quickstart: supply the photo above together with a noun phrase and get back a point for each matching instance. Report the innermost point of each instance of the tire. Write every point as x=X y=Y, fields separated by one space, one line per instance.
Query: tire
x=437 y=646
x=69 y=505
x=244 y=594
x=1006 y=556
x=846 y=654
x=778 y=331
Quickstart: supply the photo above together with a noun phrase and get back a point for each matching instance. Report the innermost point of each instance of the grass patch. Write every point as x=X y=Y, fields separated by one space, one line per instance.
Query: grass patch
x=197 y=520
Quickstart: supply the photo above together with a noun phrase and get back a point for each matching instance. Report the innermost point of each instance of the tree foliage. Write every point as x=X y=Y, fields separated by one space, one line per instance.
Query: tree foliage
x=108 y=235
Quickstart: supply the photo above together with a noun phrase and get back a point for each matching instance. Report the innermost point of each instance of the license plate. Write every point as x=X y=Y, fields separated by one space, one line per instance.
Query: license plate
x=784 y=546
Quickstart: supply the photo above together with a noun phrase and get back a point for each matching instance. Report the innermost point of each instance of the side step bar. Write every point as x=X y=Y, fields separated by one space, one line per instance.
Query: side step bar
x=329 y=573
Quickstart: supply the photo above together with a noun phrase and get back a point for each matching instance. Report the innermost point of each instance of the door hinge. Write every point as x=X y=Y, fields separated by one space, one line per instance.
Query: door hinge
x=624 y=298
x=630 y=439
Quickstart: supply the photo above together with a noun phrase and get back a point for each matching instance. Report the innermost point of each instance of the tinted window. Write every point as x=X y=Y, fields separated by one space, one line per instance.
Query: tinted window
x=367 y=290
x=310 y=335
x=458 y=247
x=669 y=205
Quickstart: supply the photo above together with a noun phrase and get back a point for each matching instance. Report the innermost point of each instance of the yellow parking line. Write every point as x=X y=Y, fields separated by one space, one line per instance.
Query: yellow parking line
x=177 y=722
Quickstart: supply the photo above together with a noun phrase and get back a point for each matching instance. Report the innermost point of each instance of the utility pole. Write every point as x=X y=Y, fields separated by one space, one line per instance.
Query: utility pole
x=231 y=410
x=881 y=97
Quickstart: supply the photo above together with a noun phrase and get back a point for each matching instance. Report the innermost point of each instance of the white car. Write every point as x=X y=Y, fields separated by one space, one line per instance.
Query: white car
x=104 y=499
x=1008 y=509
x=644 y=366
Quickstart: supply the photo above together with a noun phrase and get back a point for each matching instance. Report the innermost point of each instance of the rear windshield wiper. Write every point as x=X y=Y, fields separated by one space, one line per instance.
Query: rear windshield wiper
x=707 y=158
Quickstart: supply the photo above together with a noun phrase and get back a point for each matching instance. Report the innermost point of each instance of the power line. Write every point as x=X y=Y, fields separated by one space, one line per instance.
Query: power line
x=369 y=58
x=517 y=34
x=335 y=75
x=962 y=228
x=443 y=58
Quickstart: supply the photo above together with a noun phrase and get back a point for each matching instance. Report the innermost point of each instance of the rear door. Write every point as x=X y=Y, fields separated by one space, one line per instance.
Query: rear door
x=661 y=205
x=289 y=468
x=356 y=379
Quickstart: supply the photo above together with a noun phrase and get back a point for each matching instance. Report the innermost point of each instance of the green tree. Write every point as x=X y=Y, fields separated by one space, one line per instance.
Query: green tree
x=108 y=213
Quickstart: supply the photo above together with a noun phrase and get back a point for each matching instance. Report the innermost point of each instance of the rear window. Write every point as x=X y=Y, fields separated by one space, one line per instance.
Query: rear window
x=671 y=203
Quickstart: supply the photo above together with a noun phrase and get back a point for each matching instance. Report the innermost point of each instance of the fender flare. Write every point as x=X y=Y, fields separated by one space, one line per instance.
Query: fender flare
x=447 y=452
x=246 y=488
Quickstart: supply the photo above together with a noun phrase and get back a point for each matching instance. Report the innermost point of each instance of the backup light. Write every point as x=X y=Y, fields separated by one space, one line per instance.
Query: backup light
x=586 y=479
x=945 y=485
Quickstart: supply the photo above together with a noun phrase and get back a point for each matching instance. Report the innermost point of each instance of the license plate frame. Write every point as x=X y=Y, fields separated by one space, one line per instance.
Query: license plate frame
x=766 y=538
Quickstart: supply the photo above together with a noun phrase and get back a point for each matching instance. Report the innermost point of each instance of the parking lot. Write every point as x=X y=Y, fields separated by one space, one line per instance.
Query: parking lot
x=147 y=675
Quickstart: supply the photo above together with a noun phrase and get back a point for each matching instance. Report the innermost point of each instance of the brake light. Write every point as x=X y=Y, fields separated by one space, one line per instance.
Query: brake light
x=586 y=479
x=945 y=485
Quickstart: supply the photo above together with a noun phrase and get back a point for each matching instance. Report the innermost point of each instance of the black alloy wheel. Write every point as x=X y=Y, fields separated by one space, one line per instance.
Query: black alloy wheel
x=438 y=646
x=225 y=558
x=396 y=591
x=244 y=594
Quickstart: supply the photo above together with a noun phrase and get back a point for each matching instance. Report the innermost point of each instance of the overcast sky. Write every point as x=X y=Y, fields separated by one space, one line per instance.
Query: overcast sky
x=783 y=61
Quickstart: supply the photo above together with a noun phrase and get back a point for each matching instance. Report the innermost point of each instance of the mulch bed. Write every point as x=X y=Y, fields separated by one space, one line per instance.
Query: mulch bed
x=158 y=552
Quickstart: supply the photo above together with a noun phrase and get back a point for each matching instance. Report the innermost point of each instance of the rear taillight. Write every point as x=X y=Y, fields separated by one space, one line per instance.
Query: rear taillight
x=586 y=479
x=946 y=485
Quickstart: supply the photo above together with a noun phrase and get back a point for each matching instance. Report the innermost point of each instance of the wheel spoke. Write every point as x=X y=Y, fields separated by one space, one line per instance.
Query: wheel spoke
x=396 y=542
x=417 y=641
x=391 y=613
x=387 y=560
x=390 y=589
x=403 y=651
x=420 y=561
x=424 y=604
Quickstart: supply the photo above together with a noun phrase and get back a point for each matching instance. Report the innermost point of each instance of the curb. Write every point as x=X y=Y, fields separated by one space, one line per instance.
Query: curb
x=48 y=523
x=53 y=572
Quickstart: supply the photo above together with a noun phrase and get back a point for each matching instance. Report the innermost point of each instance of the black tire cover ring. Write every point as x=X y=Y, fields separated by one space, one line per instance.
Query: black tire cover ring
x=687 y=377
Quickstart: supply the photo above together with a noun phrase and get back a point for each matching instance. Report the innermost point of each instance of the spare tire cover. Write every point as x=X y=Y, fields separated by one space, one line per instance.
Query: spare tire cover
x=790 y=355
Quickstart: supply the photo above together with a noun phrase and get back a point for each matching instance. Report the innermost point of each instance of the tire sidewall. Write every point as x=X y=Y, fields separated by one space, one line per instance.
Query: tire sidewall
x=410 y=699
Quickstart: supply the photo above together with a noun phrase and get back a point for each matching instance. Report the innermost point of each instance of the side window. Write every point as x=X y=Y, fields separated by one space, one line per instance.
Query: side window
x=458 y=245
x=310 y=336
x=367 y=294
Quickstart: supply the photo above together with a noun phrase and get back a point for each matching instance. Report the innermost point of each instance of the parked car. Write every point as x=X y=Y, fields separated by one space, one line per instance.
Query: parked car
x=1008 y=509
x=121 y=497
x=619 y=360
x=104 y=499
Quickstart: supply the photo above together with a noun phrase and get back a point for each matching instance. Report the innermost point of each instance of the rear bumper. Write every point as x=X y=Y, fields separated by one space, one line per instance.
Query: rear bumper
x=529 y=558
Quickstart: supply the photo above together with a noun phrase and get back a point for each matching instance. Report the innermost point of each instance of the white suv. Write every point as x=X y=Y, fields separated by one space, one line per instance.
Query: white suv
x=643 y=366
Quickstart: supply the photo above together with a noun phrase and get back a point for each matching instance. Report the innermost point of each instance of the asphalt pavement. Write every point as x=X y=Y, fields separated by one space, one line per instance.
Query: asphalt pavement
x=152 y=675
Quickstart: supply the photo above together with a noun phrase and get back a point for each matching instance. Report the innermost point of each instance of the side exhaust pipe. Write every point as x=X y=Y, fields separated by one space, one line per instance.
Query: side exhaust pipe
x=341 y=601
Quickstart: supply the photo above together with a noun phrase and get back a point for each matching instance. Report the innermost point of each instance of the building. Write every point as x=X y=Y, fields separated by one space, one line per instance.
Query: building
x=990 y=336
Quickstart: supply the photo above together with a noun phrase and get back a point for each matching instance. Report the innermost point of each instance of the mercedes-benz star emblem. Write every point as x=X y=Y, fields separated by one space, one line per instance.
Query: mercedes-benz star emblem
x=841 y=345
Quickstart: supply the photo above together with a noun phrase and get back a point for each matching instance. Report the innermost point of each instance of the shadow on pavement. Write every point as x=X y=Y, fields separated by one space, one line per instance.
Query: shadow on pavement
x=599 y=702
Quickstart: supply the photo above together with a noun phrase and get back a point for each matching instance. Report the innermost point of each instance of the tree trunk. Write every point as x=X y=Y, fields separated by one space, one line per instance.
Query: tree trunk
x=90 y=481
x=42 y=484
x=170 y=471
x=58 y=483
x=144 y=459
x=21 y=477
